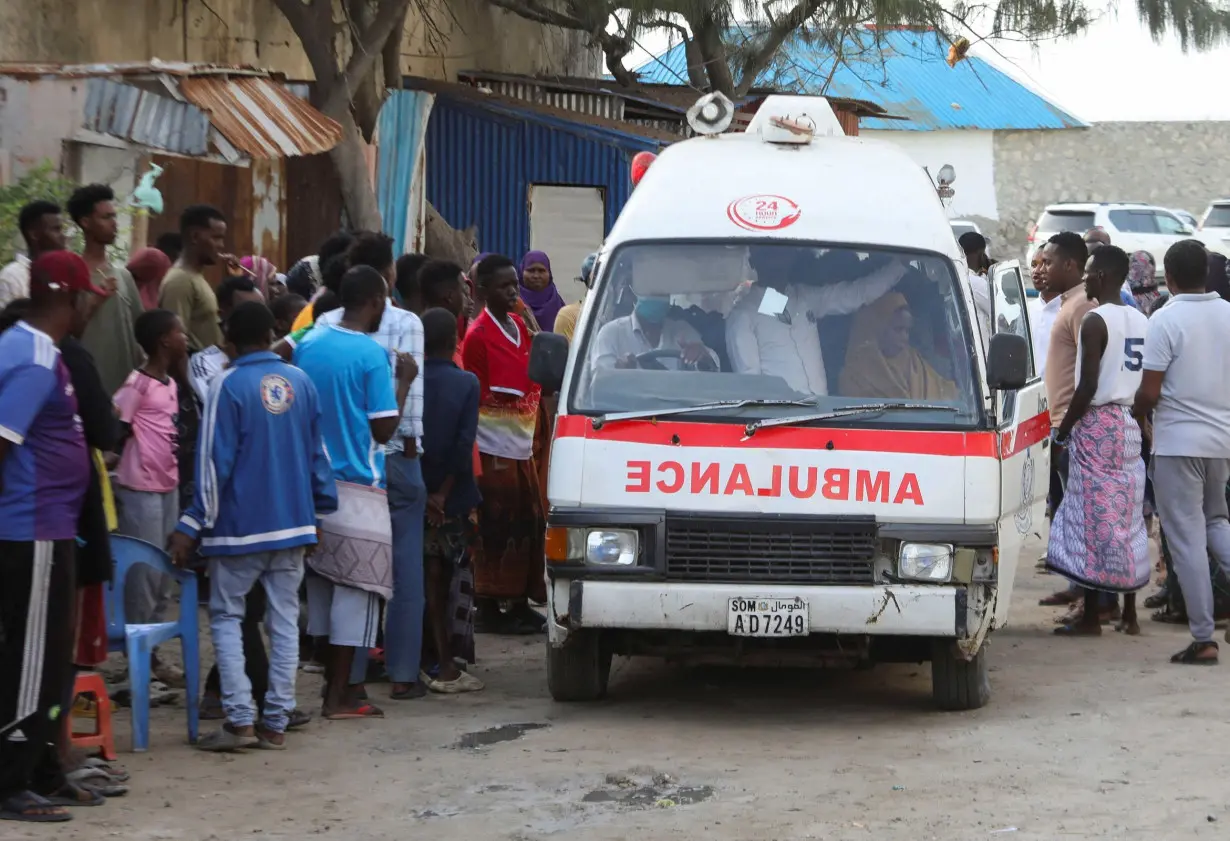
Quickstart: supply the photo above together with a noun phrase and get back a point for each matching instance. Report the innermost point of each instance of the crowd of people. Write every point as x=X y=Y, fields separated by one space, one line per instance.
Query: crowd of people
x=359 y=435
x=1138 y=400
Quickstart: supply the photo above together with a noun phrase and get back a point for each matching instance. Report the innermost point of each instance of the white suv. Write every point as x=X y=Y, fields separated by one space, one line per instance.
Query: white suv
x=1132 y=226
x=1216 y=220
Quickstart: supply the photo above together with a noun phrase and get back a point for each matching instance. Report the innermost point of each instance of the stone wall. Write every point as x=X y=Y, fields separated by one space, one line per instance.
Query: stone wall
x=1180 y=165
x=469 y=35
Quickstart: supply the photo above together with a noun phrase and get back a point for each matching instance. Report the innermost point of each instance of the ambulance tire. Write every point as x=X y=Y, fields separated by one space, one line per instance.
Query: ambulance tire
x=580 y=668
x=958 y=684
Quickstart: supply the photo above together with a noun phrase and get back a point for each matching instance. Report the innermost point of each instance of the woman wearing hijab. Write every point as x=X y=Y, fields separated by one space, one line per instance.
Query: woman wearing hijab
x=148 y=267
x=264 y=275
x=881 y=362
x=538 y=289
x=1142 y=280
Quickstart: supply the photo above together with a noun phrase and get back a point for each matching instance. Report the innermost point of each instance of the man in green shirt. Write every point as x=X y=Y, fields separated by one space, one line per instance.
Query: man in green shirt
x=185 y=291
x=109 y=337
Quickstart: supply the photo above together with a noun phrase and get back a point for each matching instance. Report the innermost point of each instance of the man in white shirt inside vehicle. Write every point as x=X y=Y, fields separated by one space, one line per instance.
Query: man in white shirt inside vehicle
x=650 y=328
x=772 y=329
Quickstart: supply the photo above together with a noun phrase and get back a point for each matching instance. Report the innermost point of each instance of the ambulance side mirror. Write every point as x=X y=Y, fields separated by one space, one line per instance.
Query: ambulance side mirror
x=548 y=359
x=1007 y=362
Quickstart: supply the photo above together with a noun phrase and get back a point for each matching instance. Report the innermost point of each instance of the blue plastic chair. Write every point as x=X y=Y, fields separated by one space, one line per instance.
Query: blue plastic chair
x=138 y=641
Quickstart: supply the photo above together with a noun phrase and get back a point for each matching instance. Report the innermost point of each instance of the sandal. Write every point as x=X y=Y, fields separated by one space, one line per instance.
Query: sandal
x=361 y=711
x=269 y=740
x=298 y=718
x=1077 y=630
x=97 y=781
x=1158 y=599
x=31 y=808
x=71 y=794
x=115 y=772
x=1190 y=656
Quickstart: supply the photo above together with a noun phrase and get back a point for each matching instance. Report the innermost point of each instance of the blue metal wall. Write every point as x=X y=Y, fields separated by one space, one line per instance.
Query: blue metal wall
x=482 y=159
x=401 y=134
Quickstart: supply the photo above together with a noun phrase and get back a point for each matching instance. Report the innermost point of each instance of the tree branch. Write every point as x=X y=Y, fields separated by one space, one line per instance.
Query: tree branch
x=782 y=28
x=368 y=45
x=534 y=11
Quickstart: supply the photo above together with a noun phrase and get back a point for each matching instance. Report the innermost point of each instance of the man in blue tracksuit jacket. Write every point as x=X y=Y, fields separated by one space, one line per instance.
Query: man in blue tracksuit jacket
x=263 y=480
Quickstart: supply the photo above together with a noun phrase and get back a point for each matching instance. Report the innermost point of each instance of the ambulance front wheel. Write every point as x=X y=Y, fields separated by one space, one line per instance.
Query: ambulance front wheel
x=958 y=684
x=579 y=669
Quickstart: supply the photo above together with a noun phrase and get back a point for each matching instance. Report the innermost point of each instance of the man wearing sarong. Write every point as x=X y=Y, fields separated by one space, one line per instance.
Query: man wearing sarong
x=354 y=565
x=1098 y=537
x=1187 y=377
x=511 y=525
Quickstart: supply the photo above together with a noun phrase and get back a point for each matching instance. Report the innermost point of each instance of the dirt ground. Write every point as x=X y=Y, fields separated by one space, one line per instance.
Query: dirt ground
x=1098 y=738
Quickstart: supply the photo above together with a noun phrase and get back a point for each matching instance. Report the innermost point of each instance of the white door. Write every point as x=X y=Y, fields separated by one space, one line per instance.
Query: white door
x=1024 y=445
x=568 y=223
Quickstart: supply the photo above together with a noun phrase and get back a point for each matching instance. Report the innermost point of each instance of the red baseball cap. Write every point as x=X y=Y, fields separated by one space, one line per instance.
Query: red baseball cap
x=61 y=271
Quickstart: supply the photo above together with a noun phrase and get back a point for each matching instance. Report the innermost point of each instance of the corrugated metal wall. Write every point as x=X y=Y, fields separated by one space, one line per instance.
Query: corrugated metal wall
x=481 y=162
x=402 y=125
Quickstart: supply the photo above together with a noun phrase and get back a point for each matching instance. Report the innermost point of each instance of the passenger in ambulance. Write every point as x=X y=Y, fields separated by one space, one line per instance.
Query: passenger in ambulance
x=773 y=329
x=650 y=338
x=881 y=361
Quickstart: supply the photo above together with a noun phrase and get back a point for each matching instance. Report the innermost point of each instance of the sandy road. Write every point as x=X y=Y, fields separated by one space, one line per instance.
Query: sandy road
x=1094 y=738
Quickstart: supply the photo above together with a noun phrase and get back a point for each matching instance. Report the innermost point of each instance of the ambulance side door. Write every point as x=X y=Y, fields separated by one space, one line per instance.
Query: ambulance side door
x=1023 y=443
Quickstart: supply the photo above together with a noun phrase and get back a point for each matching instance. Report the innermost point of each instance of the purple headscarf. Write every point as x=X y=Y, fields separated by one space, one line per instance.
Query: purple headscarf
x=547 y=303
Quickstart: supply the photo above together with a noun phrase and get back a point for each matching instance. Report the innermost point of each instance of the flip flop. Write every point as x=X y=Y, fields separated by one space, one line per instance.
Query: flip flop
x=71 y=794
x=31 y=808
x=1074 y=630
x=361 y=711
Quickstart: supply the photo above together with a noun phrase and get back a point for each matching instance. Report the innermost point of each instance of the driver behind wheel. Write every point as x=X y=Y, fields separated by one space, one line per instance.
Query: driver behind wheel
x=649 y=328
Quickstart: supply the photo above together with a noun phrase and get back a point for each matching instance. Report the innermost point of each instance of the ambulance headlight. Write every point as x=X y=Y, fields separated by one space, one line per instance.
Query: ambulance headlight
x=610 y=547
x=925 y=561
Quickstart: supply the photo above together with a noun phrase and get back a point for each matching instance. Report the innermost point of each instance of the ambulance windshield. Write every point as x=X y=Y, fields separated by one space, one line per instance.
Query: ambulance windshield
x=677 y=325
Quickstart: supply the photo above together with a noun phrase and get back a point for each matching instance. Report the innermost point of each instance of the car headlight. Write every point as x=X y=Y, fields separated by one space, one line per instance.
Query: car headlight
x=925 y=561
x=610 y=547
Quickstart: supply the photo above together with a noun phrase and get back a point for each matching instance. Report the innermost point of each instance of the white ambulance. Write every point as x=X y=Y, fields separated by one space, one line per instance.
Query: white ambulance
x=779 y=439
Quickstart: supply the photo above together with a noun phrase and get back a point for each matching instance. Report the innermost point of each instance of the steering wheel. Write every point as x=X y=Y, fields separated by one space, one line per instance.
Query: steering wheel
x=649 y=359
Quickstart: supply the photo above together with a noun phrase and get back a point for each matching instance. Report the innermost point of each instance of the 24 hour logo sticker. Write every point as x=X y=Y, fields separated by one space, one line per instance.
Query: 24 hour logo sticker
x=763 y=212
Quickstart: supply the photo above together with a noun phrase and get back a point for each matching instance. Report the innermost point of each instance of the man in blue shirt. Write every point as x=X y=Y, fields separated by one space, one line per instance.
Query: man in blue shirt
x=44 y=470
x=261 y=423
x=354 y=565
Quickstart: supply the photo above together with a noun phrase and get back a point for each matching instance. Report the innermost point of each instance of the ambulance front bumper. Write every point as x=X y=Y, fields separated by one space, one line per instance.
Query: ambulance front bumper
x=889 y=610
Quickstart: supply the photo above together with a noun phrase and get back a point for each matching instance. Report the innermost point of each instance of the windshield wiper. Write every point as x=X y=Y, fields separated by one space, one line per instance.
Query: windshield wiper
x=848 y=411
x=599 y=421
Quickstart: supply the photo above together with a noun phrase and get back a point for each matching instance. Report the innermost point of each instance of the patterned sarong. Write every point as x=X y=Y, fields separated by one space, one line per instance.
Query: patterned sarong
x=1098 y=536
x=357 y=545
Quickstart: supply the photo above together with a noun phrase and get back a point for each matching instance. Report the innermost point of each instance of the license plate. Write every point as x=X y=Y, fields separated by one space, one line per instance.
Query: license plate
x=766 y=617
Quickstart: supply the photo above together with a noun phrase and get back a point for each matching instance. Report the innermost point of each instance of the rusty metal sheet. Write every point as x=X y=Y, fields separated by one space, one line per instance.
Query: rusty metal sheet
x=260 y=117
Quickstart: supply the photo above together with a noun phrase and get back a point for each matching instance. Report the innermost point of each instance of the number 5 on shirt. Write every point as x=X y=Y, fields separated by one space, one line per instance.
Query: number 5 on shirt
x=1133 y=355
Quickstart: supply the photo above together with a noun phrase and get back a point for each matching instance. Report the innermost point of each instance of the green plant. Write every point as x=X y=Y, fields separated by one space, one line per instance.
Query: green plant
x=39 y=182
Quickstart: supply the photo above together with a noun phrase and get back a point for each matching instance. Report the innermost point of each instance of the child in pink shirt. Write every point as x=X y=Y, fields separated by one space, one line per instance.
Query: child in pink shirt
x=147 y=479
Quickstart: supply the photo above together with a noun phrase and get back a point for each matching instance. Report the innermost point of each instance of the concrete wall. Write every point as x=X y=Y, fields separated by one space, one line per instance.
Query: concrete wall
x=1179 y=165
x=971 y=154
x=475 y=36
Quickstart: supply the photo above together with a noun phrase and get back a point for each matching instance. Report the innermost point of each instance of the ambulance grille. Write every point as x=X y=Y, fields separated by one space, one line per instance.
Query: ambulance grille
x=763 y=549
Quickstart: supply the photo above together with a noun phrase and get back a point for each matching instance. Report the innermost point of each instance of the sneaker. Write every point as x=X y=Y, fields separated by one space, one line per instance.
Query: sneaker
x=465 y=682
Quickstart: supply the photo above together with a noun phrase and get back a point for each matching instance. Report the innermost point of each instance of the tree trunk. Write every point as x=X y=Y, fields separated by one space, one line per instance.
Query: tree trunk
x=350 y=160
x=708 y=38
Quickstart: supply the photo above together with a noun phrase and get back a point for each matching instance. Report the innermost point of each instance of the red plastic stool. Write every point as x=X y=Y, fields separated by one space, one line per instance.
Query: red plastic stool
x=91 y=683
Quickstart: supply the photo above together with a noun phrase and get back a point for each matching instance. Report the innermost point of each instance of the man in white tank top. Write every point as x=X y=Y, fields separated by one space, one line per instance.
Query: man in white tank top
x=1098 y=537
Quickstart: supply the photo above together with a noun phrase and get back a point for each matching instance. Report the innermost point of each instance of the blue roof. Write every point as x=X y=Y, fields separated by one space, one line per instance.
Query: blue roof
x=904 y=71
